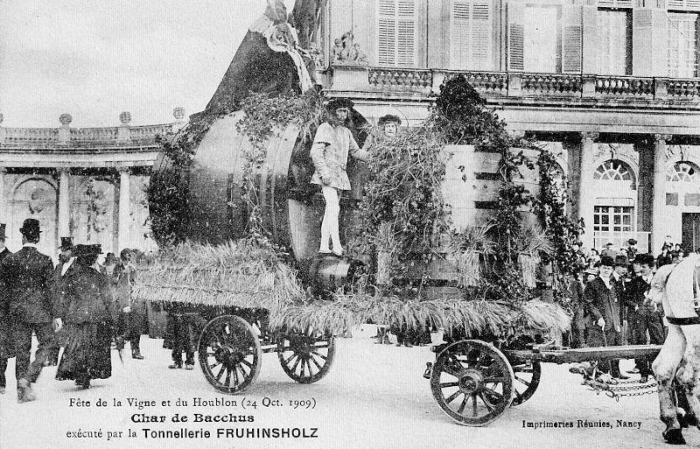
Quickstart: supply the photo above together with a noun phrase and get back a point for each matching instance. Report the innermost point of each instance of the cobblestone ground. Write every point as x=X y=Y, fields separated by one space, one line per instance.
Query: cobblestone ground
x=373 y=397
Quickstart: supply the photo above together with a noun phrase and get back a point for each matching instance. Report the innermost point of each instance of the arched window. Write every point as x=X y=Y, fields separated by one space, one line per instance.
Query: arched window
x=682 y=172
x=613 y=170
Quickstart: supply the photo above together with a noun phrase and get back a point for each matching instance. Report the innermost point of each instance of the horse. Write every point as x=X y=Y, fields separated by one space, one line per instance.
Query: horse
x=677 y=367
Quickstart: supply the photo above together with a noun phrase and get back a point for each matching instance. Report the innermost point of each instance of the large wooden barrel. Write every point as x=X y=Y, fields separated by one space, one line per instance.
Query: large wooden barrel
x=217 y=209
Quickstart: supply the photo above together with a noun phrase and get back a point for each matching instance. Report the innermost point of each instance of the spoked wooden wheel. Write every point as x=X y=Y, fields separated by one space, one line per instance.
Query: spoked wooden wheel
x=306 y=359
x=229 y=353
x=472 y=381
x=527 y=379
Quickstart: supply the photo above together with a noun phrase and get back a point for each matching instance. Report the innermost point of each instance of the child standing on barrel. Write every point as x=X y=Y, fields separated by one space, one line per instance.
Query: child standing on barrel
x=329 y=153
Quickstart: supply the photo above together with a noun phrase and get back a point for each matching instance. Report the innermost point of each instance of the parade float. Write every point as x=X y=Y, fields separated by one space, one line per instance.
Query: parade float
x=447 y=235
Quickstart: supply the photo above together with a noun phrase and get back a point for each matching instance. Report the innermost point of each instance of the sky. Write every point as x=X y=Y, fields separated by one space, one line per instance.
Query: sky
x=94 y=59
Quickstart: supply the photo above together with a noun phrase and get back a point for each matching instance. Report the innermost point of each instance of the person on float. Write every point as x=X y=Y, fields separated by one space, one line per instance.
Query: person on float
x=332 y=145
x=26 y=283
x=7 y=345
x=89 y=314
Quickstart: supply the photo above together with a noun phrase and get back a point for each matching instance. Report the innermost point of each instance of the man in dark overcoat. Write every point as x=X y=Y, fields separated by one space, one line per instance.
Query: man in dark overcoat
x=26 y=280
x=603 y=313
x=132 y=319
x=643 y=316
x=7 y=346
x=64 y=268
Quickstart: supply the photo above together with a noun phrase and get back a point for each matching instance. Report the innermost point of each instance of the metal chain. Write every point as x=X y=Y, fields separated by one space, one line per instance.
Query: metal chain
x=616 y=392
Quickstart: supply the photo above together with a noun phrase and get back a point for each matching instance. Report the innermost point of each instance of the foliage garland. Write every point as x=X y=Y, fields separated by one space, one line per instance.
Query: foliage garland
x=167 y=192
x=267 y=116
x=404 y=194
x=561 y=229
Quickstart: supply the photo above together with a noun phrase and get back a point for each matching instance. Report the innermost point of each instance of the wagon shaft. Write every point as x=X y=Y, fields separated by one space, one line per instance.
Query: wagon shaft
x=586 y=354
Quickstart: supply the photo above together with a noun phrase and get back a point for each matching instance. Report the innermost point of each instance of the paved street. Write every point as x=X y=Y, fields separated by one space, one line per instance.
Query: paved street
x=373 y=397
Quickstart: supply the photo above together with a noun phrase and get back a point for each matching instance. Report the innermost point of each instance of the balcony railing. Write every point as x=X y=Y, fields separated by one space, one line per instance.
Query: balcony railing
x=43 y=138
x=606 y=88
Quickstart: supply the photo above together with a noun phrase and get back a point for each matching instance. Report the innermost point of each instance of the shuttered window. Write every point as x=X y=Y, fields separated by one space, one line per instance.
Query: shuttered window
x=684 y=4
x=471 y=27
x=542 y=51
x=682 y=45
x=572 y=35
x=614 y=42
x=396 y=45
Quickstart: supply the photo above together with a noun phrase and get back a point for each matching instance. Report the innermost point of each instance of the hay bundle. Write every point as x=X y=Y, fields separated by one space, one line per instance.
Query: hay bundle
x=246 y=274
x=242 y=274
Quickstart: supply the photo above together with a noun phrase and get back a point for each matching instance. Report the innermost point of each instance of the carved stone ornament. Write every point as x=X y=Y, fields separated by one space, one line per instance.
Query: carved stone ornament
x=125 y=117
x=36 y=201
x=65 y=119
x=179 y=113
x=346 y=51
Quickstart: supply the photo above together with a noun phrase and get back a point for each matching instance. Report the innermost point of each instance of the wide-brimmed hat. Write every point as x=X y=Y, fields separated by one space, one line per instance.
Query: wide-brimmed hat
x=621 y=260
x=110 y=259
x=3 y=236
x=66 y=243
x=607 y=261
x=30 y=228
x=644 y=259
x=337 y=103
x=88 y=250
x=389 y=118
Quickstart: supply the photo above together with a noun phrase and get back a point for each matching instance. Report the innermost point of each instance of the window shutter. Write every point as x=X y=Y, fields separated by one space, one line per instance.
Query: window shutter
x=406 y=24
x=642 y=42
x=684 y=4
x=460 y=35
x=481 y=35
x=516 y=35
x=386 y=54
x=471 y=35
x=396 y=32
x=571 y=39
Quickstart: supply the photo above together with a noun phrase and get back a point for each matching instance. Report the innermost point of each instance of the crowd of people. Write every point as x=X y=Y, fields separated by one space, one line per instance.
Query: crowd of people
x=610 y=302
x=79 y=304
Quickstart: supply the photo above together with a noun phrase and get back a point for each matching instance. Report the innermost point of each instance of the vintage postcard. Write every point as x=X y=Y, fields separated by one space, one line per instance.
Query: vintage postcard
x=349 y=223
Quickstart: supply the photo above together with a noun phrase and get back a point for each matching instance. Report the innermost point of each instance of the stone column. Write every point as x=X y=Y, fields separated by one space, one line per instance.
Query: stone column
x=63 y=203
x=659 y=226
x=586 y=201
x=124 y=207
x=3 y=200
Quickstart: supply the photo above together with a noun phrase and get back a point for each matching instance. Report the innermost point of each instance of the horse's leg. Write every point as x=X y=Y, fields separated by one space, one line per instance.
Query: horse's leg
x=689 y=377
x=665 y=366
x=684 y=376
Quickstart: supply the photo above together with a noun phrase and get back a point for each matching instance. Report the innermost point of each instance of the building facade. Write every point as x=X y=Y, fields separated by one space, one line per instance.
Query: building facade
x=611 y=86
x=87 y=183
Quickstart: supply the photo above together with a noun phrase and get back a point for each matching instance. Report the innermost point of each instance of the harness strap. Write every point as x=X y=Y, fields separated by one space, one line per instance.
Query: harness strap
x=683 y=321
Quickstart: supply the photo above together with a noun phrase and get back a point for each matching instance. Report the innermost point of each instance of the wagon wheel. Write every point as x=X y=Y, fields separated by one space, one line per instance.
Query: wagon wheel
x=527 y=379
x=473 y=382
x=229 y=353
x=307 y=359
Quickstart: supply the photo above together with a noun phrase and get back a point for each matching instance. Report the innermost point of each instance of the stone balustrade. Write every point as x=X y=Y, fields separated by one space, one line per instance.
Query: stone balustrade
x=400 y=77
x=550 y=84
x=110 y=136
x=624 y=86
x=659 y=91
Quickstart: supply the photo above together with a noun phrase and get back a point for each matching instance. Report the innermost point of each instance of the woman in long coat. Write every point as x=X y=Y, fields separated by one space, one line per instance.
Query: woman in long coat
x=87 y=355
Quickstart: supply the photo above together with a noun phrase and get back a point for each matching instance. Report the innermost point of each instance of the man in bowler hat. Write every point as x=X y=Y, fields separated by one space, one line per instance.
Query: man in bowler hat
x=64 y=269
x=7 y=346
x=26 y=282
